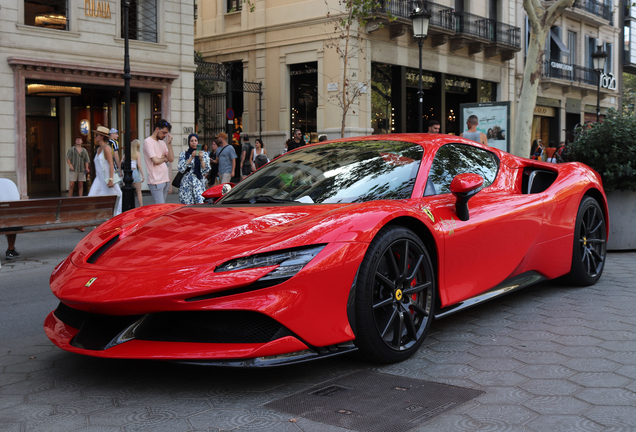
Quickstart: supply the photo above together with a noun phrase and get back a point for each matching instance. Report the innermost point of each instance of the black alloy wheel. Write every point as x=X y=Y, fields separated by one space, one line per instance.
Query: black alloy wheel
x=395 y=294
x=590 y=243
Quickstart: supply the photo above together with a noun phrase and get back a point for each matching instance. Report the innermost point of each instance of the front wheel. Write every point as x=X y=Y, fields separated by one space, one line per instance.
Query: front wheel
x=395 y=293
x=590 y=242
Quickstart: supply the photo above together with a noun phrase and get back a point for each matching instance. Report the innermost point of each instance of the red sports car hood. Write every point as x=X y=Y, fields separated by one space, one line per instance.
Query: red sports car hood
x=209 y=235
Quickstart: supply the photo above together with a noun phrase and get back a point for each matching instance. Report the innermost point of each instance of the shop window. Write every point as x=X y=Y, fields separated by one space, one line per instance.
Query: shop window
x=234 y=5
x=142 y=20
x=304 y=97
x=51 y=14
x=382 y=117
x=488 y=92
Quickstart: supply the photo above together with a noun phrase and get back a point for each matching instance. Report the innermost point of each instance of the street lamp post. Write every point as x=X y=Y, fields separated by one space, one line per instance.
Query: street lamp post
x=598 y=58
x=420 y=19
x=128 y=191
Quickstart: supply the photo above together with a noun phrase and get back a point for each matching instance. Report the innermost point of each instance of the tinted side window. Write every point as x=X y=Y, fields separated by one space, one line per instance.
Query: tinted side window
x=454 y=159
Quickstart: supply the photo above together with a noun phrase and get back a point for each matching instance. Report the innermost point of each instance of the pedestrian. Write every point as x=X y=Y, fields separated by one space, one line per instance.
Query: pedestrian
x=78 y=164
x=259 y=149
x=550 y=153
x=213 y=174
x=103 y=183
x=113 y=135
x=194 y=164
x=9 y=192
x=560 y=152
x=536 y=151
x=157 y=152
x=473 y=134
x=322 y=138
x=433 y=126
x=296 y=141
x=225 y=158
x=247 y=157
x=137 y=169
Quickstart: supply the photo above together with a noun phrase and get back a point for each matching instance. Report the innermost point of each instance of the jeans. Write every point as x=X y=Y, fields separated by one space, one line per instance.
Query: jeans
x=159 y=192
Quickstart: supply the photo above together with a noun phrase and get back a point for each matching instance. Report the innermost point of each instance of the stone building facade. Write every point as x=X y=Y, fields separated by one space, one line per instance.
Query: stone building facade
x=288 y=47
x=61 y=67
x=474 y=54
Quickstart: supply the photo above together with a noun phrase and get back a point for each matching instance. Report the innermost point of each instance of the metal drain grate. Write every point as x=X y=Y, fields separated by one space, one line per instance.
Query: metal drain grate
x=374 y=402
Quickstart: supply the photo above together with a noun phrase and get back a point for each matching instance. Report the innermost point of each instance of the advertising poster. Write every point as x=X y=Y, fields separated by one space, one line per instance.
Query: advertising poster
x=494 y=121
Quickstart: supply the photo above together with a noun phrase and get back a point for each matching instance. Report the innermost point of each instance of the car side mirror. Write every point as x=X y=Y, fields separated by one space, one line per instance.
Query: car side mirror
x=217 y=191
x=464 y=187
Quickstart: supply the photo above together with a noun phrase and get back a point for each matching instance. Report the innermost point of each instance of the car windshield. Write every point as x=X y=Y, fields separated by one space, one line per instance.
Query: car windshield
x=342 y=172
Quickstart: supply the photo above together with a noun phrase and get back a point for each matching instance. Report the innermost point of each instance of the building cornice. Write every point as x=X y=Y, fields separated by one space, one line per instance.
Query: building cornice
x=265 y=29
x=77 y=69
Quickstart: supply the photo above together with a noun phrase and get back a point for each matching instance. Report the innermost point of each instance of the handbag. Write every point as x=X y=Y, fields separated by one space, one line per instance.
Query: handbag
x=116 y=178
x=176 y=182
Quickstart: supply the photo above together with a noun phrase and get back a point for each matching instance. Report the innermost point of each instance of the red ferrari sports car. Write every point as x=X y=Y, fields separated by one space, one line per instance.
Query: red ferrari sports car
x=354 y=244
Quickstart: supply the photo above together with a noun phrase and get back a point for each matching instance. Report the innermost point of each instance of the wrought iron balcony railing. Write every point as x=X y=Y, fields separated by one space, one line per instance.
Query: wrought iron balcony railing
x=441 y=16
x=569 y=72
x=506 y=34
x=596 y=8
x=474 y=25
x=446 y=19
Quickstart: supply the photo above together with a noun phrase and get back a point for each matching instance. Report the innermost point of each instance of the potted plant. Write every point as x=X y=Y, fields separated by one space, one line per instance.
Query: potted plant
x=610 y=149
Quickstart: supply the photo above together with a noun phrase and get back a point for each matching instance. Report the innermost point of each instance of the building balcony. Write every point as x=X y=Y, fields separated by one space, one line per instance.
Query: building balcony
x=569 y=76
x=591 y=11
x=461 y=28
x=478 y=33
x=396 y=14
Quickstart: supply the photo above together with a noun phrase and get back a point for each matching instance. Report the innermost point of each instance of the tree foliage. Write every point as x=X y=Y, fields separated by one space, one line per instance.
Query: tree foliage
x=610 y=149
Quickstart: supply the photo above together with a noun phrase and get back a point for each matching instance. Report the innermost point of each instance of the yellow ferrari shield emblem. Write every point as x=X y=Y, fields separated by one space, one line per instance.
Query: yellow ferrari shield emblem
x=429 y=213
x=90 y=282
x=398 y=295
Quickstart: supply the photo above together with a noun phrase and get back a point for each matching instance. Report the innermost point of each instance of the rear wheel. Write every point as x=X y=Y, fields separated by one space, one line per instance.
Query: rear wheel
x=395 y=293
x=590 y=241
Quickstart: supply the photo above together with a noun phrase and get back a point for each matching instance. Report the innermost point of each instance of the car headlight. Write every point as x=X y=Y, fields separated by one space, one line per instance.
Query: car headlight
x=289 y=262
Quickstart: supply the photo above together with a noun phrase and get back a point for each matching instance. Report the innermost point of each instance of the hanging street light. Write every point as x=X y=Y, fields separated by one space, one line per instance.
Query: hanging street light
x=128 y=191
x=598 y=58
x=420 y=19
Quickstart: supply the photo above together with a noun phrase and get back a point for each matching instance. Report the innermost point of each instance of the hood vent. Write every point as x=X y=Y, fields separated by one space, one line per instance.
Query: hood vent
x=103 y=248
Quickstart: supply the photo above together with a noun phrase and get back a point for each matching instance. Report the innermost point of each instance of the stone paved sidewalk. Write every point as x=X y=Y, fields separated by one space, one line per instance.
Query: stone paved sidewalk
x=549 y=358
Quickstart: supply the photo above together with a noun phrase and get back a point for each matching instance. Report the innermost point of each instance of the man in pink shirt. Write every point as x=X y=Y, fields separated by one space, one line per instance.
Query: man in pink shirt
x=158 y=151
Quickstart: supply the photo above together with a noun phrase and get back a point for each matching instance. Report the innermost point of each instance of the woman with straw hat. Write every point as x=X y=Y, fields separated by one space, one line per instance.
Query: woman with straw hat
x=104 y=182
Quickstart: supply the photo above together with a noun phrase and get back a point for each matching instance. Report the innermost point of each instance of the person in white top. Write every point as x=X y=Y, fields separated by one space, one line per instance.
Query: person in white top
x=9 y=192
x=103 y=183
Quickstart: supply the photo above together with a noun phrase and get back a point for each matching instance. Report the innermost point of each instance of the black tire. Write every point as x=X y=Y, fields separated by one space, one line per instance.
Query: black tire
x=395 y=295
x=590 y=243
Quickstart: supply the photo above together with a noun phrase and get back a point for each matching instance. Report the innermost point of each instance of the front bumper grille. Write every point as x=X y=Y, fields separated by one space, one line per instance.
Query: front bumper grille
x=98 y=332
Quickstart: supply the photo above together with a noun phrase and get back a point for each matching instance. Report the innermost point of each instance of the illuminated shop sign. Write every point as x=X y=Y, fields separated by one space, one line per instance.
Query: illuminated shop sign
x=413 y=78
x=562 y=66
x=608 y=81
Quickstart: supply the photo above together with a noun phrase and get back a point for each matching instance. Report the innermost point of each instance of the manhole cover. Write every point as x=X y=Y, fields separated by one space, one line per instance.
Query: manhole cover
x=370 y=402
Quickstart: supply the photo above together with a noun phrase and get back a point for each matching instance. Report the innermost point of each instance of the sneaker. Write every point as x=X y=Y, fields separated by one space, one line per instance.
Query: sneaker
x=12 y=254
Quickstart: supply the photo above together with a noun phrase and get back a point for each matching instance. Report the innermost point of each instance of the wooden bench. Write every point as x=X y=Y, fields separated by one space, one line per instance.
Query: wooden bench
x=54 y=213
